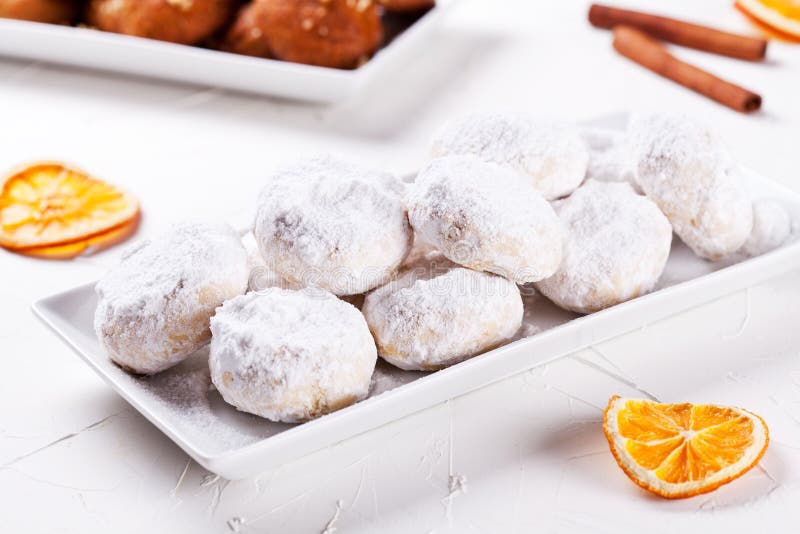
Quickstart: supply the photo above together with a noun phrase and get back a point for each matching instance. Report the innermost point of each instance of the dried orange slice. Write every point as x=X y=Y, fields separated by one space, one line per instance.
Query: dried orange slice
x=87 y=246
x=681 y=450
x=50 y=204
x=781 y=17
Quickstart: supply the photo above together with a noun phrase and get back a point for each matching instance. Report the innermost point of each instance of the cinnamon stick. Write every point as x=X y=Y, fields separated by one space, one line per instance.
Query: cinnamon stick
x=681 y=32
x=646 y=51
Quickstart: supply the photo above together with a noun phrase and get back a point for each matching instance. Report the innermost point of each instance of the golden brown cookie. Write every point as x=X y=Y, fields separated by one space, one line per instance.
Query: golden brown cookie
x=52 y=11
x=247 y=34
x=176 y=21
x=328 y=33
x=407 y=5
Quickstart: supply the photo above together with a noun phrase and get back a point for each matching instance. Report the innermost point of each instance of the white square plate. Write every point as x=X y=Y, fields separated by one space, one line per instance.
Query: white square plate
x=84 y=47
x=183 y=404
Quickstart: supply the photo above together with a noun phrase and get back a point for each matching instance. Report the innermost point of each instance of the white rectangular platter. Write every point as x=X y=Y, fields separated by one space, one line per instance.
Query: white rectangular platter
x=83 y=47
x=183 y=404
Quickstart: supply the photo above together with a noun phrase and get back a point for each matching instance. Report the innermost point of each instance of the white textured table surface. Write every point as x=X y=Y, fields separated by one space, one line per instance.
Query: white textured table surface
x=74 y=457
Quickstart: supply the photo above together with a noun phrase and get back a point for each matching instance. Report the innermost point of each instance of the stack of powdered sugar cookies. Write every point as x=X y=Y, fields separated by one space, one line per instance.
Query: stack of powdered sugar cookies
x=435 y=266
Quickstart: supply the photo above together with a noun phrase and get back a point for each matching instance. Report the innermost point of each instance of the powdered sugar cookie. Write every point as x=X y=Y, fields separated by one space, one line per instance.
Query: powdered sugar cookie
x=436 y=314
x=154 y=307
x=261 y=276
x=772 y=226
x=616 y=248
x=610 y=158
x=323 y=222
x=684 y=169
x=421 y=251
x=550 y=154
x=482 y=216
x=290 y=355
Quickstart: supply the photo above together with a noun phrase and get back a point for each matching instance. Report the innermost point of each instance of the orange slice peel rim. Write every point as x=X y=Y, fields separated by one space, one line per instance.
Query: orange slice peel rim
x=771 y=20
x=677 y=457
x=90 y=245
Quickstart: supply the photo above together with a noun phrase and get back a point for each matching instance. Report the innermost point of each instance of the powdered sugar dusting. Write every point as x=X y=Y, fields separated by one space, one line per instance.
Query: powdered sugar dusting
x=686 y=170
x=324 y=222
x=617 y=246
x=482 y=216
x=610 y=158
x=772 y=226
x=437 y=314
x=185 y=395
x=154 y=307
x=290 y=355
x=254 y=258
x=387 y=377
x=551 y=154
x=261 y=275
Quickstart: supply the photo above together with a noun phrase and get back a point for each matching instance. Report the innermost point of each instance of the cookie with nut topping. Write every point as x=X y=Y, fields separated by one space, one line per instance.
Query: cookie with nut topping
x=327 y=33
x=176 y=21
x=51 y=11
